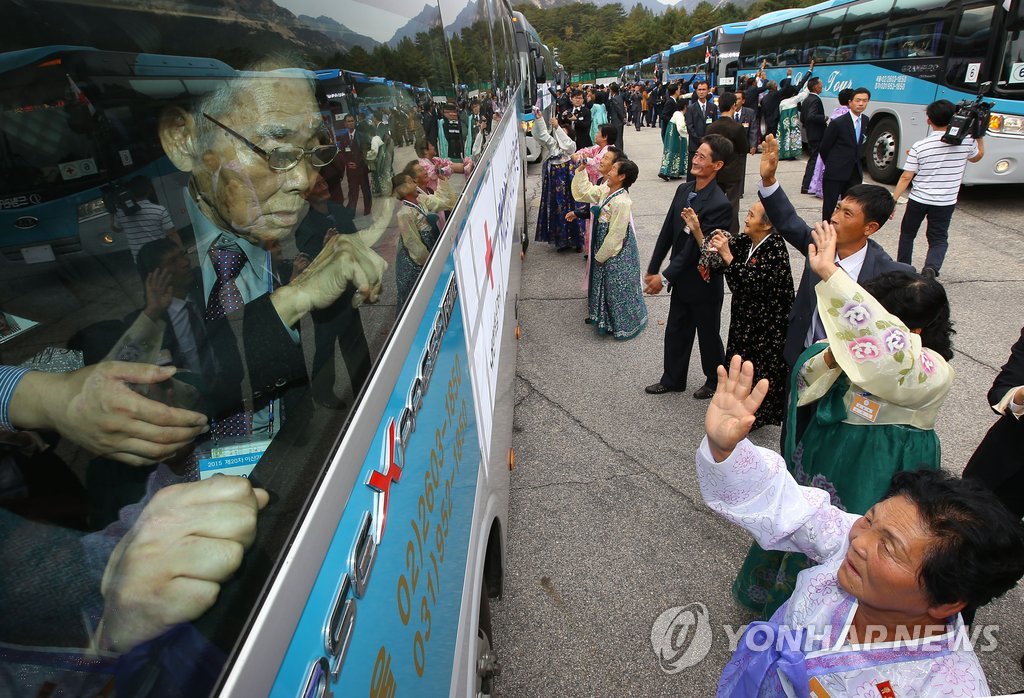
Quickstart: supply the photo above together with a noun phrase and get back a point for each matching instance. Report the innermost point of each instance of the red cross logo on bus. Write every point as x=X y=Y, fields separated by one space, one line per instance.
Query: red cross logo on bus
x=489 y=255
x=381 y=481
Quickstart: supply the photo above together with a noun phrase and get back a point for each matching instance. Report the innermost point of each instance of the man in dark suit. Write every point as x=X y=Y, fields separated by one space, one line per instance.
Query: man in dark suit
x=999 y=461
x=616 y=112
x=581 y=120
x=812 y=119
x=696 y=304
x=745 y=116
x=864 y=210
x=670 y=105
x=636 y=106
x=730 y=179
x=700 y=113
x=840 y=150
x=340 y=322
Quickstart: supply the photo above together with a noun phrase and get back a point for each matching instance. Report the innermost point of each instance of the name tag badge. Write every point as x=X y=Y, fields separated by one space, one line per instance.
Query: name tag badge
x=816 y=689
x=707 y=120
x=237 y=458
x=865 y=407
x=885 y=690
x=746 y=124
x=348 y=149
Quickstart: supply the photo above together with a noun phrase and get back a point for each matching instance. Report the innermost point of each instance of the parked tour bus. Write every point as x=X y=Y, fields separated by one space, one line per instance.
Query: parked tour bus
x=379 y=423
x=908 y=53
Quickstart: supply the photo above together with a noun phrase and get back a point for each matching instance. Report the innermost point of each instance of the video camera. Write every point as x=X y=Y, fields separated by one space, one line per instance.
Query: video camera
x=969 y=119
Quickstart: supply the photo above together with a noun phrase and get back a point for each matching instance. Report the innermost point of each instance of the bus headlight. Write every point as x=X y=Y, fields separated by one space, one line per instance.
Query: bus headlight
x=1006 y=123
x=91 y=209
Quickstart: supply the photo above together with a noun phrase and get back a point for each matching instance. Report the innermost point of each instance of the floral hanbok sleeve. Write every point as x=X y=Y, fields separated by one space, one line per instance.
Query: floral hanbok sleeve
x=441 y=200
x=618 y=212
x=584 y=191
x=753 y=489
x=876 y=351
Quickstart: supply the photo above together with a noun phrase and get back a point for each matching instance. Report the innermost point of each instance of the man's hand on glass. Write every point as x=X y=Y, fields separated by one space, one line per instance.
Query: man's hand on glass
x=345 y=260
x=168 y=569
x=97 y=408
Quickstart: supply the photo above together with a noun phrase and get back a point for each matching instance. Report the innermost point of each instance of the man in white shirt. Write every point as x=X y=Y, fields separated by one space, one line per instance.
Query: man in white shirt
x=935 y=170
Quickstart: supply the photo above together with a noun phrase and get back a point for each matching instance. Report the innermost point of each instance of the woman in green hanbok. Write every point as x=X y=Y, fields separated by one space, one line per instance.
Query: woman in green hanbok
x=673 y=159
x=615 y=299
x=790 y=146
x=876 y=386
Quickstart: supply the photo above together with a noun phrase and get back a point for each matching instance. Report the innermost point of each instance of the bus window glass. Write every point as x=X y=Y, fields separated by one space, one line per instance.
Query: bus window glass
x=917 y=28
x=823 y=35
x=863 y=28
x=768 y=51
x=1014 y=56
x=469 y=35
x=970 y=45
x=751 y=45
x=793 y=41
x=248 y=196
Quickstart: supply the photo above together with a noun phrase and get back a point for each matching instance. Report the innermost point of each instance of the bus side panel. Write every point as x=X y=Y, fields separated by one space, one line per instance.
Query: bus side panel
x=406 y=621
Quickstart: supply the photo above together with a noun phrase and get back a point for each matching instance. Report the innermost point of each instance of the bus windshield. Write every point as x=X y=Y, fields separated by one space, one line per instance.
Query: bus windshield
x=1011 y=74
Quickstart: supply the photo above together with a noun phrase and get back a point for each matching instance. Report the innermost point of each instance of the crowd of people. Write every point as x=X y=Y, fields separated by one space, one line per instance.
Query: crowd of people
x=854 y=520
x=853 y=364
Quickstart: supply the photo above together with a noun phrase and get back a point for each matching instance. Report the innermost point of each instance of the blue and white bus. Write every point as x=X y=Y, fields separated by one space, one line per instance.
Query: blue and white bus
x=712 y=55
x=387 y=462
x=908 y=53
x=652 y=68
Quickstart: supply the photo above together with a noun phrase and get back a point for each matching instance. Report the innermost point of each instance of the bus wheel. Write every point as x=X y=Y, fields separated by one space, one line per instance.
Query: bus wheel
x=487 y=666
x=883 y=151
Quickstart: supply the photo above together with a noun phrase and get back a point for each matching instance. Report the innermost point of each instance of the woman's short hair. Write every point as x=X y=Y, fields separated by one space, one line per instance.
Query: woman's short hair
x=609 y=132
x=845 y=96
x=628 y=170
x=921 y=303
x=978 y=553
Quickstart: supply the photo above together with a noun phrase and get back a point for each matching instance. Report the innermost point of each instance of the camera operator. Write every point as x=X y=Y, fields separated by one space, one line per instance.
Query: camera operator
x=936 y=169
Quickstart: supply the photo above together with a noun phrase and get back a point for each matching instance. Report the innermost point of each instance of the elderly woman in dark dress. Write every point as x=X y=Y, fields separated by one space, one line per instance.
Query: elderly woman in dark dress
x=758 y=273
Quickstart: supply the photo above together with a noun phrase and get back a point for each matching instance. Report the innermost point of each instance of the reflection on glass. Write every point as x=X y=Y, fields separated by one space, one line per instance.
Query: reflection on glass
x=172 y=196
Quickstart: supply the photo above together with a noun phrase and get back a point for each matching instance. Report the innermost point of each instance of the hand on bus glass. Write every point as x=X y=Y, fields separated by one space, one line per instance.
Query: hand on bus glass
x=97 y=408
x=168 y=569
x=345 y=260
x=159 y=293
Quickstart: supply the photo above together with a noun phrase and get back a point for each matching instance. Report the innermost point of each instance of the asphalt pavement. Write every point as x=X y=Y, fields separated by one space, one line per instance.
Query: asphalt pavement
x=607 y=530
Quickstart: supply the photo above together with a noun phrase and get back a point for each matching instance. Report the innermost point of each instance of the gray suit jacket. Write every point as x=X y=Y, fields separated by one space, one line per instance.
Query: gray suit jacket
x=798 y=234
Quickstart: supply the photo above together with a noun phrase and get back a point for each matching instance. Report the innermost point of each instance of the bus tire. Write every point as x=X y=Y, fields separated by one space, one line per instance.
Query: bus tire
x=883 y=151
x=487 y=666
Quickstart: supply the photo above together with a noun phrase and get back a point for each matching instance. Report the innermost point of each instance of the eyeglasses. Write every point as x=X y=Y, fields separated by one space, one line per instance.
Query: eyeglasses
x=285 y=157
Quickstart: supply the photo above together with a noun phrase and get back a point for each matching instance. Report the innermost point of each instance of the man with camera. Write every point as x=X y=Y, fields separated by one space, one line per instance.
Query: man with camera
x=936 y=168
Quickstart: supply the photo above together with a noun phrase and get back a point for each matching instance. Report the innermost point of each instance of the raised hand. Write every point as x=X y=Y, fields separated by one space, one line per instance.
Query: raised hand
x=159 y=293
x=769 y=160
x=821 y=254
x=731 y=412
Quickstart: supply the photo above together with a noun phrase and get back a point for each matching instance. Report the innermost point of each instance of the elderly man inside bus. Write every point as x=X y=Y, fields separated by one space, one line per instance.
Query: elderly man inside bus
x=880 y=614
x=253 y=148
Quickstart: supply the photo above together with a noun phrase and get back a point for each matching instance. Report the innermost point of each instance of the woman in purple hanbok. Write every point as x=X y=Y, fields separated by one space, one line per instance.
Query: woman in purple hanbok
x=554 y=225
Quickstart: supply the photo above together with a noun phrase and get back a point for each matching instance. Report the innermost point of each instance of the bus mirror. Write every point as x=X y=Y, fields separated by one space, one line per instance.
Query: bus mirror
x=539 y=69
x=1015 y=17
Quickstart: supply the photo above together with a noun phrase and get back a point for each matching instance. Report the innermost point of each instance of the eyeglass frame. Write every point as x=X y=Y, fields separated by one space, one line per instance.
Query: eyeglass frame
x=266 y=155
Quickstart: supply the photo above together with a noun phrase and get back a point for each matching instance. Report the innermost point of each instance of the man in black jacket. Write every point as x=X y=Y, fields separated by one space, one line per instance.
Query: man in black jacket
x=581 y=120
x=812 y=119
x=860 y=215
x=616 y=112
x=701 y=112
x=670 y=105
x=696 y=304
x=730 y=179
x=999 y=461
x=840 y=150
